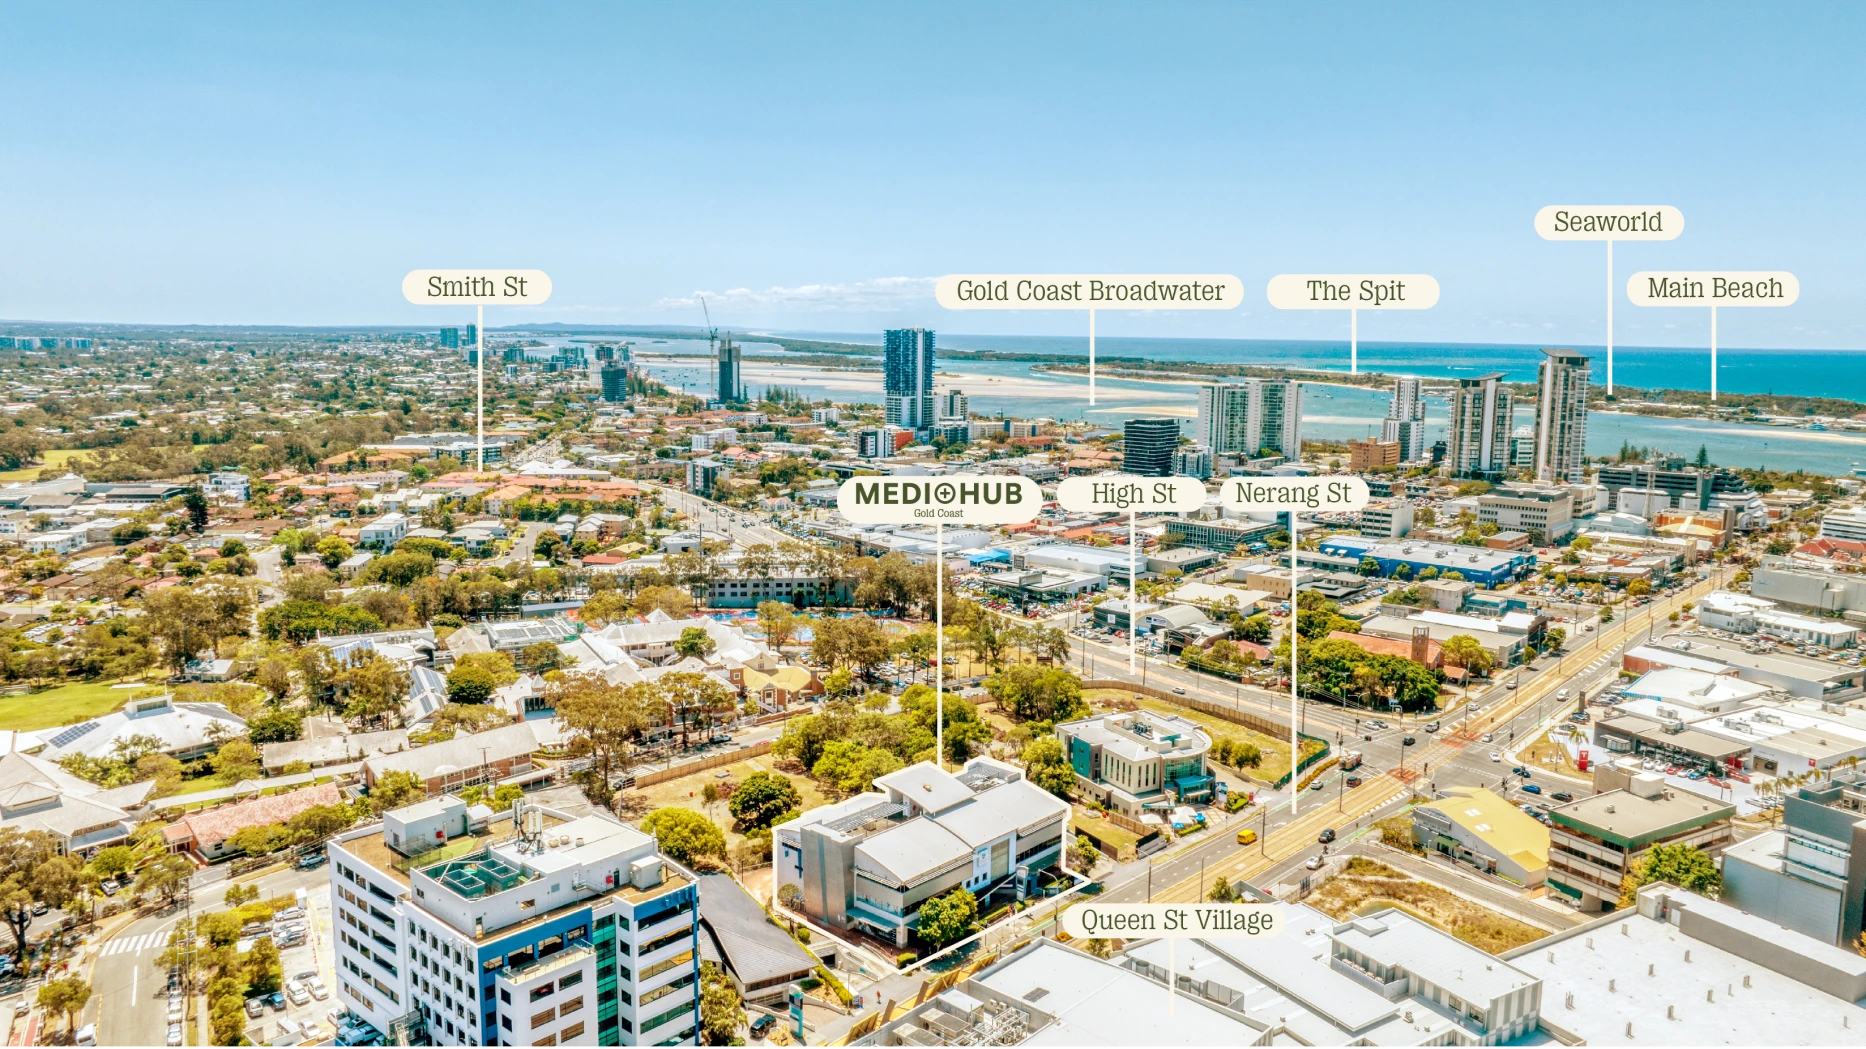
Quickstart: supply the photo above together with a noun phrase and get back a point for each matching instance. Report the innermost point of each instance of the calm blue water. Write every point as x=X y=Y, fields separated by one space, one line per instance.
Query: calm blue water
x=1833 y=373
x=1341 y=413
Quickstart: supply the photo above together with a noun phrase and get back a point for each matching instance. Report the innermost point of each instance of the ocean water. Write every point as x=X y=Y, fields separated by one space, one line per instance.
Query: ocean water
x=1343 y=413
x=1832 y=373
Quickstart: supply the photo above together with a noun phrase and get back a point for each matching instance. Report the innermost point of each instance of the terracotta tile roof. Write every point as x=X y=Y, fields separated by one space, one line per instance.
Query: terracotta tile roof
x=215 y=825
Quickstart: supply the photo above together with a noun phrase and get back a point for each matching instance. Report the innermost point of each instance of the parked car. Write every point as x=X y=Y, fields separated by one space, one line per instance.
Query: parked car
x=110 y=887
x=1247 y=836
x=764 y=1023
x=311 y=861
x=255 y=1007
x=1314 y=864
x=277 y=1001
x=317 y=988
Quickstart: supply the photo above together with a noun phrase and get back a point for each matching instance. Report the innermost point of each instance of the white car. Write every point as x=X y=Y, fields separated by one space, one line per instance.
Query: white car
x=317 y=988
x=298 y=996
x=175 y=1009
x=1314 y=864
x=1494 y=756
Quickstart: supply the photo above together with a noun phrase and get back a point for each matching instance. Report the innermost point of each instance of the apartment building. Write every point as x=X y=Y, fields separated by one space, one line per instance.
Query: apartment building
x=453 y=925
x=1252 y=417
x=871 y=861
x=1479 y=444
x=1561 y=417
x=1372 y=455
x=1593 y=841
x=1405 y=420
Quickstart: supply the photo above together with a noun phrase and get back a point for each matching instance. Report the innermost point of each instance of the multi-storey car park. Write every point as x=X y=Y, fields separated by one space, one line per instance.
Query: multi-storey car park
x=462 y=926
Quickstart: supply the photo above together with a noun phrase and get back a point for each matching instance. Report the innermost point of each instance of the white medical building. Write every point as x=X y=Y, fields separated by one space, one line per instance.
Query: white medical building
x=871 y=861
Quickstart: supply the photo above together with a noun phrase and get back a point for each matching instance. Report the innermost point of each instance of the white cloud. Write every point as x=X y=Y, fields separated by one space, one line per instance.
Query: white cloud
x=880 y=295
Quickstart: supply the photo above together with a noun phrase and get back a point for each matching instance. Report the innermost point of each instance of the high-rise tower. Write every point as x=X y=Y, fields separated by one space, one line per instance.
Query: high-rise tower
x=1561 y=417
x=907 y=361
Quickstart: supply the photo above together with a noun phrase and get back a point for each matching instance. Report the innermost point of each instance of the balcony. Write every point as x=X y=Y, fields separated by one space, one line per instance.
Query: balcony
x=573 y=953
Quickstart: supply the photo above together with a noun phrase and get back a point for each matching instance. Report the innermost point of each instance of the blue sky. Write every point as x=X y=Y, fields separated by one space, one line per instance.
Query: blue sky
x=814 y=166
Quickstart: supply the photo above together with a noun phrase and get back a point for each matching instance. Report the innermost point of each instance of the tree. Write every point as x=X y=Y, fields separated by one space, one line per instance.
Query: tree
x=694 y=643
x=168 y=876
x=685 y=835
x=66 y=995
x=762 y=799
x=1638 y=588
x=499 y=664
x=333 y=551
x=604 y=608
x=1466 y=651
x=677 y=603
x=398 y=570
x=542 y=657
x=778 y=620
x=856 y=641
x=182 y=620
x=1687 y=867
x=236 y=760
x=605 y=716
x=395 y=789
x=944 y=919
x=1048 y=767
x=469 y=684
x=373 y=687
x=1042 y=694
x=690 y=698
x=1083 y=855
x=721 y=1011
x=196 y=505
x=1256 y=629
x=113 y=861
x=260 y=839
x=277 y=725
x=321 y=821
x=1222 y=892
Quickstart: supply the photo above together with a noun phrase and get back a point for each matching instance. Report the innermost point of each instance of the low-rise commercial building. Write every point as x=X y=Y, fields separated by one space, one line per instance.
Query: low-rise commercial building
x=1794 y=674
x=1680 y=969
x=1406 y=560
x=1748 y=614
x=1388 y=519
x=1593 y=841
x=1478 y=827
x=1137 y=761
x=1541 y=511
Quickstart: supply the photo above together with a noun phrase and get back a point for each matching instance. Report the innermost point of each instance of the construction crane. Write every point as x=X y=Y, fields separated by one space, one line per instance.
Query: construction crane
x=712 y=333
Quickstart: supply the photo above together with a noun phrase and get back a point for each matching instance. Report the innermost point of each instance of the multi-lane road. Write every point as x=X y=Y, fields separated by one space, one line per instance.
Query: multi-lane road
x=743 y=526
x=129 y=991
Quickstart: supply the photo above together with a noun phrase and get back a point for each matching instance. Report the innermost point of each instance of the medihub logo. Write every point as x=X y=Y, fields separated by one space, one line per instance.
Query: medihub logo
x=958 y=499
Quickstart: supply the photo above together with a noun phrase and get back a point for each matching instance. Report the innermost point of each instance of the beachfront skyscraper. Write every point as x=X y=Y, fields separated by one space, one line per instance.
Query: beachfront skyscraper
x=907 y=377
x=1561 y=417
x=1253 y=417
x=1405 y=421
x=1149 y=447
x=1480 y=428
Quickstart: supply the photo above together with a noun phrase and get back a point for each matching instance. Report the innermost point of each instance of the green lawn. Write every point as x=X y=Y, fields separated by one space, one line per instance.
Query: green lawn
x=65 y=705
x=50 y=458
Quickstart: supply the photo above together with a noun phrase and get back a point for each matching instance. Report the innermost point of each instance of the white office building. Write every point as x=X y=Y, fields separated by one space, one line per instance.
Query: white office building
x=1844 y=524
x=453 y=925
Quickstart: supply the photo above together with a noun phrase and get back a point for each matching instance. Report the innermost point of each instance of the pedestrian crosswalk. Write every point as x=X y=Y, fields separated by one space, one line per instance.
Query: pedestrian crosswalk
x=135 y=944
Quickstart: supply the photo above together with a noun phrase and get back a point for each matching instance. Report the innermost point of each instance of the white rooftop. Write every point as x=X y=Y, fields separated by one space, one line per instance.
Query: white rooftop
x=1714 y=998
